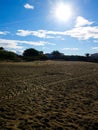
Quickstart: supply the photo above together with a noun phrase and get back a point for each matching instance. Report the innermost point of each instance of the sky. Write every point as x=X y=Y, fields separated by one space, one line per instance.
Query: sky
x=69 y=26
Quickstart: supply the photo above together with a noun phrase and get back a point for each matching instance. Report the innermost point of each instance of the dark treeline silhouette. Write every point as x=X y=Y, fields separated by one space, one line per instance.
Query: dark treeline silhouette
x=32 y=54
x=8 y=55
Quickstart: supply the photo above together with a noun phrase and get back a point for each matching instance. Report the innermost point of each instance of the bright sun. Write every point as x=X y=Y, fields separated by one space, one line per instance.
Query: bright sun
x=62 y=12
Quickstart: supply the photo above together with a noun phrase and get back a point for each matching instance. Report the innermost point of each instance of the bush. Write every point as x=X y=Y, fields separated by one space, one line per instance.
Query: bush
x=8 y=55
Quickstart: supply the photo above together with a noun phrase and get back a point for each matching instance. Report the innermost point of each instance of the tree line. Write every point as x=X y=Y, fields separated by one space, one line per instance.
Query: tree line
x=32 y=54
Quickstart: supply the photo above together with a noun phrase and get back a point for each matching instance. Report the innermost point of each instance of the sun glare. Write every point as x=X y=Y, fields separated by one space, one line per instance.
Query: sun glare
x=62 y=12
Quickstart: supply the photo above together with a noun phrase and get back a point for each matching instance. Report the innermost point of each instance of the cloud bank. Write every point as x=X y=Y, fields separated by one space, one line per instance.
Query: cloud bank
x=83 y=30
x=38 y=33
x=15 y=43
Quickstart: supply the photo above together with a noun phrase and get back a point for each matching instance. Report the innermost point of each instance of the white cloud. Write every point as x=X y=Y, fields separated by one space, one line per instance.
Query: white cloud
x=15 y=43
x=70 y=49
x=80 y=32
x=28 y=6
x=83 y=33
x=94 y=48
x=24 y=33
x=9 y=44
x=4 y=33
x=38 y=33
x=80 y=21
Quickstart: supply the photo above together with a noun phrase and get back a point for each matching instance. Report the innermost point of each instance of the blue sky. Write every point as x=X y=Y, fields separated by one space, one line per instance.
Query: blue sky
x=69 y=26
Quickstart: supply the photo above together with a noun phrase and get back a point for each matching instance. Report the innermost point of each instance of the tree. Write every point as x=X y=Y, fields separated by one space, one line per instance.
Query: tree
x=11 y=56
x=41 y=52
x=30 y=52
x=8 y=55
x=87 y=55
x=1 y=49
x=57 y=55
